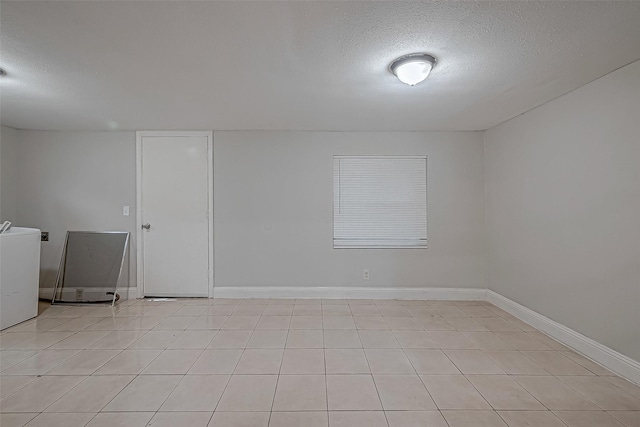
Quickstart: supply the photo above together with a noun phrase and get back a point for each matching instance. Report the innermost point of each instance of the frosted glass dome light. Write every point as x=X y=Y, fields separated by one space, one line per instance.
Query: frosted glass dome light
x=412 y=69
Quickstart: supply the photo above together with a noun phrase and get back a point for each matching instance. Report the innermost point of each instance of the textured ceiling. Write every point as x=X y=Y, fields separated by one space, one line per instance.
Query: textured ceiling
x=104 y=65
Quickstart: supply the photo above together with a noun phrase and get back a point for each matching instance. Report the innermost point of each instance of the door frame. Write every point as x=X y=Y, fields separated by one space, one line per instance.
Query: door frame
x=139 y=198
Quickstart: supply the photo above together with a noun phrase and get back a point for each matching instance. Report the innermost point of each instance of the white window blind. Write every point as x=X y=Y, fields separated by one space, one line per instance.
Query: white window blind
x=379 y=201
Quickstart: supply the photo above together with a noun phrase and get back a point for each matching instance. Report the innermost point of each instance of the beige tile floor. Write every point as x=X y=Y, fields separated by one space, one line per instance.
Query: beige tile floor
x=277 y=363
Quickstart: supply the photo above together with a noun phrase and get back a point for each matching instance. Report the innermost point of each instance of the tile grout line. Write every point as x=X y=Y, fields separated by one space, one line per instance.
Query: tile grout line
x=275 y=390
x=393 y=332
x=326 y=382
x=376 y=386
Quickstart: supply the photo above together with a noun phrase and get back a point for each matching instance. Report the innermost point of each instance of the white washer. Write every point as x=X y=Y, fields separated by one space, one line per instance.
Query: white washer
x=19 y=275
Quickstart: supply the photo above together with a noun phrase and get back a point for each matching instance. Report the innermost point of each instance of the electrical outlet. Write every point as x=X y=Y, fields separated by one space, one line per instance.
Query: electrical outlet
x=365 y=274
x=44 y=236
x=125 y=210
x=79 y=294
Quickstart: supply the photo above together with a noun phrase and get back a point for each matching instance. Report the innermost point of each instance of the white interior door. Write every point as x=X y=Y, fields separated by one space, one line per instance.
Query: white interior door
x=173 y=219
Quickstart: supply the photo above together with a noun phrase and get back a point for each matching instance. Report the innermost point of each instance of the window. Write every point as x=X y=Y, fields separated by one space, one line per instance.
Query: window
x=379 y=201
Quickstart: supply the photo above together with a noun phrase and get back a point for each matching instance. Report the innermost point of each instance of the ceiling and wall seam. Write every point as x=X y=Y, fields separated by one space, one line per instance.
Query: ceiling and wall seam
x=303 y=66
x=560 y=96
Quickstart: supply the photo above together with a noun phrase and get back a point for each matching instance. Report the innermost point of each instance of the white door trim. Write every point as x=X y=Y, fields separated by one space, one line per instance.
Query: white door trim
x=139 y=195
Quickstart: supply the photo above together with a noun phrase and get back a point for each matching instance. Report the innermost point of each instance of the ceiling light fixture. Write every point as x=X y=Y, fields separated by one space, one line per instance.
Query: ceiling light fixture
x=413 y=68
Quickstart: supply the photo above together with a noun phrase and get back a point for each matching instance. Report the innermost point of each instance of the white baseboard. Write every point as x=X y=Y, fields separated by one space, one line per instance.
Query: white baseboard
x=460 y=294
x=125 y=293
x=599 y=353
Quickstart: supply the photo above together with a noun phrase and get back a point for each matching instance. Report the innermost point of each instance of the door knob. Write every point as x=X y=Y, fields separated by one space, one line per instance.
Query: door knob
x=146 y=226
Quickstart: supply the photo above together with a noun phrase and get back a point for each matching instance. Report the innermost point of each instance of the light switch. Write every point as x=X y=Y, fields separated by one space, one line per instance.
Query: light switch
x=125 y=210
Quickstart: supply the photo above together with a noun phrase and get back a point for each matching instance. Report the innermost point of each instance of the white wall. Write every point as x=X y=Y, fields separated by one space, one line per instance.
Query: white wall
x=8 y=170
x=284 y=180
x=563 y=209
x=75 y=181
x=81 y=180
